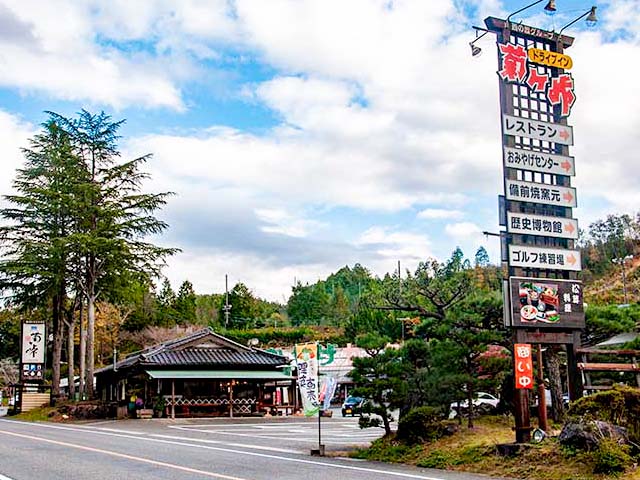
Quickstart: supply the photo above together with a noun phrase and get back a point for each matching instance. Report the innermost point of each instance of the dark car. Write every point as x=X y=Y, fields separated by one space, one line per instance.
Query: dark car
x=352 y=406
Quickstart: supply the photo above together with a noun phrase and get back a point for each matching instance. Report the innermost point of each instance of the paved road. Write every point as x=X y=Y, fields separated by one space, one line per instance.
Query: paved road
x=234 y=449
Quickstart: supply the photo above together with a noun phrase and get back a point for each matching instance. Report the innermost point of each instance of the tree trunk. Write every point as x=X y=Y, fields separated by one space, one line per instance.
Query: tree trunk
x=555 y=384
x=57 y=346
x=71 y=328
x=470 y=404
x=83 y=351
x=91 y=325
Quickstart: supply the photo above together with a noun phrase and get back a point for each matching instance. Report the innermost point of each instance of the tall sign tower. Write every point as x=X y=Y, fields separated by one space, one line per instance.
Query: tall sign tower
x=543 y=297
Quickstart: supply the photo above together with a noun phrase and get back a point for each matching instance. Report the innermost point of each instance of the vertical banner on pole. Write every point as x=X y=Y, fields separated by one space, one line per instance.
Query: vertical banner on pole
x=523 y=365
x=307 y=363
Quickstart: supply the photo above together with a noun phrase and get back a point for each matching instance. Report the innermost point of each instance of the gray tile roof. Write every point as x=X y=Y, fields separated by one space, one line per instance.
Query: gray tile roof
x=191 y=351
x=217 y=356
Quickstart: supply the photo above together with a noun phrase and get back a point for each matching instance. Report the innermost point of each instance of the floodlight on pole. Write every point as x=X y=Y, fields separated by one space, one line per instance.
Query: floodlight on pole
x=550 y=7
x=476 y=51
x=591 y=19
x=524 y=8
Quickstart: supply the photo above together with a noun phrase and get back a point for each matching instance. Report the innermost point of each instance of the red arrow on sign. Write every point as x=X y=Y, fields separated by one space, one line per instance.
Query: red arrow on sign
x=569 y=227
x=566 y=165
x=571 y=259
x=568 y=197
x=564 y=134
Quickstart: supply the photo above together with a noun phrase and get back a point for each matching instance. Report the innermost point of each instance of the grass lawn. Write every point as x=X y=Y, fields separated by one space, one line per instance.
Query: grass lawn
x=475 y=451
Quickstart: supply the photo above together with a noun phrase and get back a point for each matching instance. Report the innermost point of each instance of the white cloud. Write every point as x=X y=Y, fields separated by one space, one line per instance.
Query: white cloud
x=440 y=213
x=14 y=135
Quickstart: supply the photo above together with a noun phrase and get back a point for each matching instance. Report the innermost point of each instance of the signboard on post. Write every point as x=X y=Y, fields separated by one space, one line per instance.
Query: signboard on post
x=546 y=303
x=541 y=193
x=545 y=131
x=544 y=258
x=542 y=225
x=523 y=365
x=33 y=348
x=539 y=161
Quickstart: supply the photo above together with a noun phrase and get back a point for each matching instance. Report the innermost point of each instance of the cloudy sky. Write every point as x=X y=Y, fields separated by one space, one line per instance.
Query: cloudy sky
x=302 y=136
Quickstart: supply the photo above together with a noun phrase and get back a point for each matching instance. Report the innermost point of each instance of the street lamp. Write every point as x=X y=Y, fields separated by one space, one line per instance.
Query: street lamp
x=621 y=262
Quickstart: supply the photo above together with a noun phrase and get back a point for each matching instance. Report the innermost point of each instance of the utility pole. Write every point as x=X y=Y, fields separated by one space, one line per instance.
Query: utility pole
x=227 y=307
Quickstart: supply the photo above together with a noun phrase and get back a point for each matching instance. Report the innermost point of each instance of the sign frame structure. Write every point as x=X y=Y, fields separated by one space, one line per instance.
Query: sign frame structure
x=546 y=296
x=33 y=350
x=542 y=225
x=569 y=260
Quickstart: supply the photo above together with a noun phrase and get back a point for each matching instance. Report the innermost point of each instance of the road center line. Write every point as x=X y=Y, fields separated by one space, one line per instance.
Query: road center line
x=231 y=450
x=121 y=455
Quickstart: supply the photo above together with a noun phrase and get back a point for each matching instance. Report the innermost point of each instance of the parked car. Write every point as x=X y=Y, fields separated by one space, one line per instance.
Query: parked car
x=352 y=406
x=482 y=401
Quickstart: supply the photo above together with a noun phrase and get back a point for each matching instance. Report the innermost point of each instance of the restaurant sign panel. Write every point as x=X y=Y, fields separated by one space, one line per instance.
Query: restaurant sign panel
x=541 y=193
x=544 y=258
x=539 y=161
x=545 y=131
x=33 y=349
x=556 y=227
x=546 y=303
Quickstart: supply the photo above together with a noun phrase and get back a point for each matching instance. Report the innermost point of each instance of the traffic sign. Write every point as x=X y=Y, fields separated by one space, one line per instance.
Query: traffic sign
x=539 y=161
x=544 y=258
x=545 y=131
x=541 y=193
x=557 y=227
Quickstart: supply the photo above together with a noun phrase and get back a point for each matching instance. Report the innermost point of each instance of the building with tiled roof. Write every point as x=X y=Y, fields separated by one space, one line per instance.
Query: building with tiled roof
x=202 y=373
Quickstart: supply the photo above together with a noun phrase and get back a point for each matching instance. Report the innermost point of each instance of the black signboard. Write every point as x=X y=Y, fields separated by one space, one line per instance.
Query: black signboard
x=546 y=303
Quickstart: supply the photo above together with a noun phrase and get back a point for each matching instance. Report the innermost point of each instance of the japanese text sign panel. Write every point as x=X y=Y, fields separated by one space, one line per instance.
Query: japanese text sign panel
x=539 y=161
x=307 y=364
x=541 y=193
x=523 y=364
x=545 y=131
x=33 y=342
x=549 y=58
x=556 y=227
x=546 y=303
x=544 y=258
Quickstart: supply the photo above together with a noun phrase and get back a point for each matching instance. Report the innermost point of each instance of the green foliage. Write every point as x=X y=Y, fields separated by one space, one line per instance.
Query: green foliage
x=610 y=458
x=614 y=237
x=620 y=406
x=9 y=334
x=421 y=424
x=386 y=450
x=367 y=319
x=279 y=337
x=603 y=322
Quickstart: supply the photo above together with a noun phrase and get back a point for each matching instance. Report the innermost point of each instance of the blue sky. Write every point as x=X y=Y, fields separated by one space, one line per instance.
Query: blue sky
x=302 y=136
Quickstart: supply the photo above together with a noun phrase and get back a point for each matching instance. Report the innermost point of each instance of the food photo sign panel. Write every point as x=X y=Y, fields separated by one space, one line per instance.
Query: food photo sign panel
x=546 y=303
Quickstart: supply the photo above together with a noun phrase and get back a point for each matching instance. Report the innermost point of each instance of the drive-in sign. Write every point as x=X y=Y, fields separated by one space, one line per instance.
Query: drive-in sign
x=544 y=258
x=541 y=193
x=556 y=227
x=548 y=132
x=539 y=161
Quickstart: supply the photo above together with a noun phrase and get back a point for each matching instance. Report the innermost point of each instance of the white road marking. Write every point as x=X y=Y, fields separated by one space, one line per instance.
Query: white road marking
x=2 y=477
x=274 y=437
x=123 y=455
x=241 y=445
x=230 y=450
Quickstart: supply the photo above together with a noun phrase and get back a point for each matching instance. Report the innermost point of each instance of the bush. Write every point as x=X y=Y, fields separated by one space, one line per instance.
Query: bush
x=422 y=424
x=619 y=406
x=611 y=458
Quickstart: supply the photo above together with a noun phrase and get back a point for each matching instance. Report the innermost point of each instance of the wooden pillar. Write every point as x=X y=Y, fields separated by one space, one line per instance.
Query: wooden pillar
x=575 y=377
x=173 y=398
x=542 y=398
x=231 y=399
